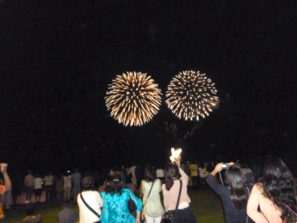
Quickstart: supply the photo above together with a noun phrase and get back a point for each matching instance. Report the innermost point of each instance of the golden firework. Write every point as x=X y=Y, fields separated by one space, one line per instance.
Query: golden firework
x=191 y=94
x=133 y=98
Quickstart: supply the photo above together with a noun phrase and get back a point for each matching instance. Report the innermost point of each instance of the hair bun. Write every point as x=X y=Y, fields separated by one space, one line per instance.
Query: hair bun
x=87 y=182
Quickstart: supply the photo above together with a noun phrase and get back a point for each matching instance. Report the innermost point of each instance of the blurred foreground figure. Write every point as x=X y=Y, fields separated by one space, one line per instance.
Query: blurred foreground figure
x=7 y=184
x=67 y=215
x=31 y=217
x=273 y=198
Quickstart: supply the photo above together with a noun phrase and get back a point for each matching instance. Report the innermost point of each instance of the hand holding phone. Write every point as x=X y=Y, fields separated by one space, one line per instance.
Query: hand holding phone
x=224 y=166
x=3 y=167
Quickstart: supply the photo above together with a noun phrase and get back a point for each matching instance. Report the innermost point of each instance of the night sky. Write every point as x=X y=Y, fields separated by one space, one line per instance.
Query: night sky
x=58 y=57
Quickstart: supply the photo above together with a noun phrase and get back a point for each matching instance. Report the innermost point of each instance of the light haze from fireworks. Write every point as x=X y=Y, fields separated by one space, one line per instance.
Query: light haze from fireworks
x=191 y=94
x=133 y=98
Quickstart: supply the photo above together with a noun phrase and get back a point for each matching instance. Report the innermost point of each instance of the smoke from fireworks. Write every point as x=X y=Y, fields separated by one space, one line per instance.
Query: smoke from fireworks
x=133 y=98
x=191 y=94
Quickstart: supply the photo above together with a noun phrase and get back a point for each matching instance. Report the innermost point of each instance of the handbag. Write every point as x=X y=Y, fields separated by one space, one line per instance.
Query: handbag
x=131 y=205
x=142 y=218
x=91 y=209
x=170 y=216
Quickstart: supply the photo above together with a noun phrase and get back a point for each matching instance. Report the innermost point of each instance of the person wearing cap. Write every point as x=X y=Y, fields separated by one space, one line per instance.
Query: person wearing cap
x=92 y=198
x=7 y=183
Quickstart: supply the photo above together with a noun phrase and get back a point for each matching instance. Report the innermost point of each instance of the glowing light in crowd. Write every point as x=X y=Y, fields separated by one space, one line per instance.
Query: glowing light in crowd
x=133 y=98
x=175 y=154
x=191 y=94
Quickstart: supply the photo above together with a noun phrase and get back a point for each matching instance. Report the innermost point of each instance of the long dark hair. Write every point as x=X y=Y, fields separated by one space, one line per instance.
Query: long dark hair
x=172 y=174
x=115 y=185
x=235 y=179
x=149 y=174
x=279 y=186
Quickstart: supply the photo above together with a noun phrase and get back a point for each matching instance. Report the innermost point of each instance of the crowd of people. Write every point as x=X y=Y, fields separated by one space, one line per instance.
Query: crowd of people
x=60 y=187
x=156 y=194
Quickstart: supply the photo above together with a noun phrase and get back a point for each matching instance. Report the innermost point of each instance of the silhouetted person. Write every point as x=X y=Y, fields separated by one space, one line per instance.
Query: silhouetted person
x=29 y=186
x=16 y=190
x=49 y=186
x=67 y=215
x=31 y=217
x=76 y=178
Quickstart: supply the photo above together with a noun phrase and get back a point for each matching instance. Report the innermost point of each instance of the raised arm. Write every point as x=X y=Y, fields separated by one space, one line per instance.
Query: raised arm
x=218 y=188
x=184 y=176
x=7 y=182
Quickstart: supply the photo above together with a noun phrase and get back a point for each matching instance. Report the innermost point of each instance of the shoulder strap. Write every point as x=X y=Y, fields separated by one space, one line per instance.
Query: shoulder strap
x=149 y=193
x=291 y=210
x=88 y=206
x=264 y=216
x=180 y=188
x=248 y=190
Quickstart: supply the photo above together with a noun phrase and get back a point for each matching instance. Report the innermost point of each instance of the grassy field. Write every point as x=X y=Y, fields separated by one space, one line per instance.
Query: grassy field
x=205 y=203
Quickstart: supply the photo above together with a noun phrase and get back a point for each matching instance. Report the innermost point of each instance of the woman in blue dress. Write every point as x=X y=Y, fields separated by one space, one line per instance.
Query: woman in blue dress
x=115 y=203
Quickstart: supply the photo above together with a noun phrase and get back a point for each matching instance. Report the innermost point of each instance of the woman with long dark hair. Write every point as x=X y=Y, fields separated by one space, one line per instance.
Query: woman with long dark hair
x=151 y=188
x=174 y=178
x=115 y=206
x=234 y=194
x=273 y=198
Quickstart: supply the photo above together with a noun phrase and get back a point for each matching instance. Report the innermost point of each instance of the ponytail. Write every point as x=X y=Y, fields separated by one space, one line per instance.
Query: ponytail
x=168 y=182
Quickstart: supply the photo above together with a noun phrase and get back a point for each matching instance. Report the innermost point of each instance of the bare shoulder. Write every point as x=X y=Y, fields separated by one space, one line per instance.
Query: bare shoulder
x=258 y=187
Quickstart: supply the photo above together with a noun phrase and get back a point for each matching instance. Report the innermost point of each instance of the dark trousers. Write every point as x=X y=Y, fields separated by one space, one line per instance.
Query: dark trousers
x=48 y=193
x=196 y=181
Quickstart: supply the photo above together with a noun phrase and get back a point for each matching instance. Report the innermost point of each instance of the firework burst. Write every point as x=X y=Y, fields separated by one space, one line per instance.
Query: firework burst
x=133 y=98
x=191 y=94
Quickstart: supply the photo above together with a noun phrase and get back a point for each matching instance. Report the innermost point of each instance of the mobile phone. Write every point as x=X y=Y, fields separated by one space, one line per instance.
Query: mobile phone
x=224 y=165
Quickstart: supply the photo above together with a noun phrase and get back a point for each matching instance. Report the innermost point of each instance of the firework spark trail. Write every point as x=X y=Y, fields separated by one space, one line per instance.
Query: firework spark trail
x=191 y=94
x=133 y=98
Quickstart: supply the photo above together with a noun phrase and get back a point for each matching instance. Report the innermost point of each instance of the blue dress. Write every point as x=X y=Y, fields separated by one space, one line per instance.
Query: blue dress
x=115 y=207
